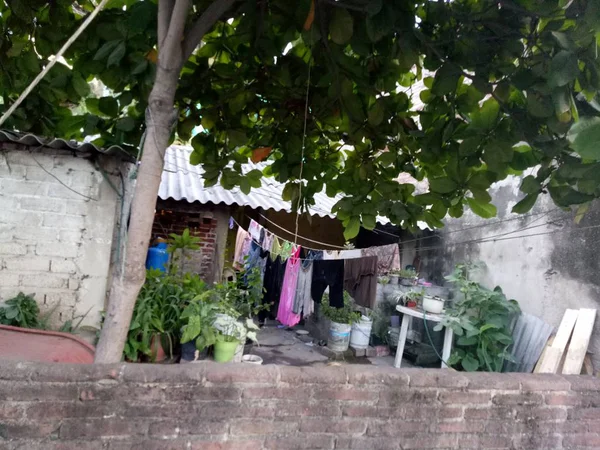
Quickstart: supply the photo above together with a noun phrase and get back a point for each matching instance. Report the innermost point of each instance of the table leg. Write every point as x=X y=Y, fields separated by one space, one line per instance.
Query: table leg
x=406 y=320
x=447 y=346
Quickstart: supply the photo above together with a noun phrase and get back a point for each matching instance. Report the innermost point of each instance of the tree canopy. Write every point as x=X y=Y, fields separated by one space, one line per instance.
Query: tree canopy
x=504 y=86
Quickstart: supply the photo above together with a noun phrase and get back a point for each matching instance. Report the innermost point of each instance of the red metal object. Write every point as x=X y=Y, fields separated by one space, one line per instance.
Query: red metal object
x=26 y=344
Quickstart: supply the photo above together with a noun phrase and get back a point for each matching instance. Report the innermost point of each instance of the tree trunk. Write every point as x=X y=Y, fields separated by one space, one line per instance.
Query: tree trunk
x=160 y=117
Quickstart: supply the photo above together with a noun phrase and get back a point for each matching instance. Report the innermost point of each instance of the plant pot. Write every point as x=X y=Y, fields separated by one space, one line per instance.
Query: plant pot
x=406 y=282
x=411 y=304
x=188 y=352
x=395 y=321
x=433 y=305
x=361 y=333
x=157 y=351
x=393 y=279
x=224 y=351
x=339 y=336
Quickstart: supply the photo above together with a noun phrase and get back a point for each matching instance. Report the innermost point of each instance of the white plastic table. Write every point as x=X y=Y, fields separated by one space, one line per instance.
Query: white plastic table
x=409 y=313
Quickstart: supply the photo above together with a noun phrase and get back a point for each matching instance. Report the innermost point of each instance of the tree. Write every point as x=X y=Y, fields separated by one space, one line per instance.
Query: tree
x=323 y=89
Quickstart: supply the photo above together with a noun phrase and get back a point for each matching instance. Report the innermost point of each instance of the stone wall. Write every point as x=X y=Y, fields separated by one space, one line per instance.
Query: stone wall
x=545 y=259
x=57 y=219
x=209 y=406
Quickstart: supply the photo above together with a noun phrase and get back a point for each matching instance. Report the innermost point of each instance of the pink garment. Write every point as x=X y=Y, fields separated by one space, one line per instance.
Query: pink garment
x=288 y=292
x=242 y=248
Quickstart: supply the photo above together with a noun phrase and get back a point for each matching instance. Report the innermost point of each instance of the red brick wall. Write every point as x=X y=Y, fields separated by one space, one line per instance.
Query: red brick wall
x=167 y=221
x=208 y=406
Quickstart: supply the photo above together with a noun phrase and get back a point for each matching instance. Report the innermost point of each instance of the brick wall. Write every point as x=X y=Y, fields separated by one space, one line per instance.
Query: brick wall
x=57 y=216
x=208 y=406
x=171 y=218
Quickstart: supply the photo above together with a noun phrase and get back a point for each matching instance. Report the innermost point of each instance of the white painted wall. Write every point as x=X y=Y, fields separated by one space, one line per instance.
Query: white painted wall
x=546 y=274
x=57 y=217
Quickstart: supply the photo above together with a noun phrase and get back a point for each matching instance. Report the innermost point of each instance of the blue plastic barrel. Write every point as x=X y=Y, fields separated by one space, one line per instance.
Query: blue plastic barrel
x=158 y=257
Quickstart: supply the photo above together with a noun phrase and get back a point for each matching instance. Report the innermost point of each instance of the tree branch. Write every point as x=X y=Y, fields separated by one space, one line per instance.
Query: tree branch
x=170 y=56
x=165 y=10
x=203 y=24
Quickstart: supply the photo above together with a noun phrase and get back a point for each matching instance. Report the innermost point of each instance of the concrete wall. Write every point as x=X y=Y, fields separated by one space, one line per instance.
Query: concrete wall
x=57 y=219
x=242 y=407
x=556 y=267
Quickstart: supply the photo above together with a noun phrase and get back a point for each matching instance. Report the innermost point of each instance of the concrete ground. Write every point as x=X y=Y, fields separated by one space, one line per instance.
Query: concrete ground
x=285 y=347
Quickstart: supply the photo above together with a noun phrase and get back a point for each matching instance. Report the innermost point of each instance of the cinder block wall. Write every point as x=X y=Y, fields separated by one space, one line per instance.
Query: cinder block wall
x=229 y=406
x=57 y=217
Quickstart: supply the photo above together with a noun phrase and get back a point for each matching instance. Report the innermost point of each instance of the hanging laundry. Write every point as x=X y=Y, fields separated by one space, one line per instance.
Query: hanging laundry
x=242 y=247
x=255 y=230
x=267 y=241
x=350 y=254
x=331 y=254
x=287 y=249
x=275 y=248
x=273 y=281
x=256 y=259
x=360 y=280
x=388 y=257
x=288 y=291
x=328 y=273
x=303 y=303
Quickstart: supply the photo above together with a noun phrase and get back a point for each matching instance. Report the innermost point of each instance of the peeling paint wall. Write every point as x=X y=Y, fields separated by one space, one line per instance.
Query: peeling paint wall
x=554 y=268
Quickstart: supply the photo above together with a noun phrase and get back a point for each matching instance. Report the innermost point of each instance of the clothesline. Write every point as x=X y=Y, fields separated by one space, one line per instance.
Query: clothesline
x=308 y=248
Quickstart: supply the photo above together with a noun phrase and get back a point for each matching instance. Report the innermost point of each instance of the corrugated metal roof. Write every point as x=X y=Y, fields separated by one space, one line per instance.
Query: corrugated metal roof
x=183 y=181
x=31 y=140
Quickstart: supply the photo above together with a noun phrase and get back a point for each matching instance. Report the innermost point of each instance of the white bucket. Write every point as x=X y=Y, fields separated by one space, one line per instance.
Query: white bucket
x=252 y=359
x=339 y=336
x=433 y=305
x=361 y=333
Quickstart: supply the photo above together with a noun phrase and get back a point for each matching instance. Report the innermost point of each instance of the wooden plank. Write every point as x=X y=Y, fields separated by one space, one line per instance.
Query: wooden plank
x=543 y=355
x=579 y=342
x=556 y=350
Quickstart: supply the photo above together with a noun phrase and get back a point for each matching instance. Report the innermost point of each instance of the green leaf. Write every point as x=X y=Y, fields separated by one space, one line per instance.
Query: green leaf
x=290 y=192
x=530 y=185
x=584 y=137
x=469 y=363
x=185 y=128
x=446 y=79
x=352 y=229
x=376 y=113
x=485 y=210
x=108 y=106
x=116 y=55
x=341 y=26
x=469 y=146
x=539 y=105
x=465 y=341
x=80 y=85
x=381 y=24
x=369 y=222
x=195 y=158
x=563 y=69
x=485 y=117
x=443 y=185
x=125 y=124
x=106 y=50
x=245 y=185
x=237 y=138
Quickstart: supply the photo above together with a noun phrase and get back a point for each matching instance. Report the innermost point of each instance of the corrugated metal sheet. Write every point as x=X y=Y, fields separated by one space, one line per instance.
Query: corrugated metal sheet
x=530 y=335
x=183 y=181
x=32 y=140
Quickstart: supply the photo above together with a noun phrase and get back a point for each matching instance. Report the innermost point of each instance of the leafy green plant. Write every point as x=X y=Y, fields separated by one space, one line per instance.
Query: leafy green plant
x=179 y=246
x=158 y=311
x=481 y=320
x=345 y=314
x=200 y=316
x=21 y=311
x=405 y=273
x=411 y=296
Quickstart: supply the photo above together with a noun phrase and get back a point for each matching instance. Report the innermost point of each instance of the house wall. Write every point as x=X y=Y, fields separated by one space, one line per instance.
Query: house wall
x=207 y=222
x=208 y=406
x=57 y=218
x=545 y=273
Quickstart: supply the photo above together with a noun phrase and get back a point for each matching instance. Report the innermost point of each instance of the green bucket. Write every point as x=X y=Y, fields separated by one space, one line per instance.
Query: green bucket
x=225 y=350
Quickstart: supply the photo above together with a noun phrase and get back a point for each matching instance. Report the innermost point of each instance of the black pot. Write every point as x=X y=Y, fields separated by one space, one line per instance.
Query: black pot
x=188 y=352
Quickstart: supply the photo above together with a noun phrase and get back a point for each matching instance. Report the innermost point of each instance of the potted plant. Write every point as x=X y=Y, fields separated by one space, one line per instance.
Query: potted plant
x=341 y=323
x=407 y=277
x=410 y=299
x=198 y=332
x=394 y=277
x=383 y=279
